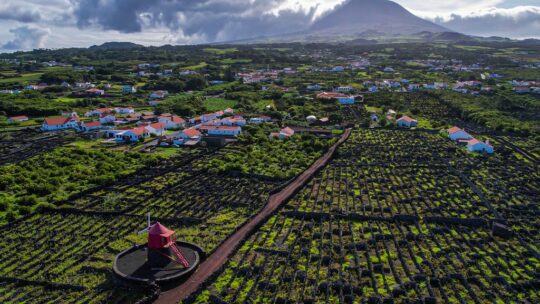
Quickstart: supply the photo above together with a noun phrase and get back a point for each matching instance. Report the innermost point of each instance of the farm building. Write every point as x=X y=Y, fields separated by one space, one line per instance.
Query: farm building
x=474 y=145
x=222 y=130
x=60 y=123
x=172 y=121
x=456 y=133
x=132 y=135
x=18 y=119
x=406 y=122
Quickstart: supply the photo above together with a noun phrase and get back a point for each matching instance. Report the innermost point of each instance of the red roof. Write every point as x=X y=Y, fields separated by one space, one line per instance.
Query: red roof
x=157 y=125
x=158 y=229
x=230 y=128
x=330 y=95
x=92 y=124
x=287 y=131
x=453 y=130
x=407 y=119
x=19 y=118
x=94 y=90
x=475 y=141
x=55 y=121
x=191 y=132
x=138 y=131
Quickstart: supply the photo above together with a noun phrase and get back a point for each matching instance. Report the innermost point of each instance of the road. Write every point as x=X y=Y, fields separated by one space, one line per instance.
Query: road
x=221 y=255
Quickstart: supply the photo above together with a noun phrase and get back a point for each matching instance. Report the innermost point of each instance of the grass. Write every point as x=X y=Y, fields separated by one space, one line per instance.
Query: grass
x=219 y=104
x=199 y=66
x=220 y=51
x=24 y=78
x=261 y=105
x=233 y=61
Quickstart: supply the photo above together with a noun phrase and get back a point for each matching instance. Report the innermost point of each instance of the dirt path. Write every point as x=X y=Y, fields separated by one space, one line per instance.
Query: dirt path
x=221 y=255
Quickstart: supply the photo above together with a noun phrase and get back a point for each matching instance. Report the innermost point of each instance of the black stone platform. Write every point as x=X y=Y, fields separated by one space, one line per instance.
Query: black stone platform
x=131 y=265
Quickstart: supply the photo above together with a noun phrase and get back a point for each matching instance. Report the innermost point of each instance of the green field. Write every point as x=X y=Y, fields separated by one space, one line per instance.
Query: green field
x=24 y=78
x=218 y=104
x=217 y=51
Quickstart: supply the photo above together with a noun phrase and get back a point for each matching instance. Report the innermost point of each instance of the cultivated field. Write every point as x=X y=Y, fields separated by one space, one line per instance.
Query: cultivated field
x=395 y=218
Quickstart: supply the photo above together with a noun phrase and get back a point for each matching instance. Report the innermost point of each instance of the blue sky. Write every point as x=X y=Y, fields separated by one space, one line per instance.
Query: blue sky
x=28 y=24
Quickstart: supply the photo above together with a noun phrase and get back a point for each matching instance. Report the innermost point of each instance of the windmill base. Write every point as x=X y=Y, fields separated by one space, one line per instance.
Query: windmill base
x=134 y=266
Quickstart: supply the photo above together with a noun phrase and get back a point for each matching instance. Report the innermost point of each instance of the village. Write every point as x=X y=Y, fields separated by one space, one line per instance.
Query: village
x=388 y=173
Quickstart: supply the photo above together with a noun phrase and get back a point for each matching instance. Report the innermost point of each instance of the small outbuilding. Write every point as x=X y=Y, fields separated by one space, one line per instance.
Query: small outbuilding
x=406 y=122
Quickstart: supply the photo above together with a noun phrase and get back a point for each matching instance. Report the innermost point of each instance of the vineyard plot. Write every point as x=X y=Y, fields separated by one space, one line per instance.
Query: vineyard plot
x=390 y=219
x=69 y=252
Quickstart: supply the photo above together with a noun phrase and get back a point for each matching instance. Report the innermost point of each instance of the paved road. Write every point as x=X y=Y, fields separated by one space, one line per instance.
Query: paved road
x=221 y=255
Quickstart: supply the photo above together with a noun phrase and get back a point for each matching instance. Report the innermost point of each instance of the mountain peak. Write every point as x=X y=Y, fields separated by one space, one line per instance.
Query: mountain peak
x=356 y=16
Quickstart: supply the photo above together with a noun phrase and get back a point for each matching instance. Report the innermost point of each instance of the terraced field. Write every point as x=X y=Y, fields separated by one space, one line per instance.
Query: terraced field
x=397 y=217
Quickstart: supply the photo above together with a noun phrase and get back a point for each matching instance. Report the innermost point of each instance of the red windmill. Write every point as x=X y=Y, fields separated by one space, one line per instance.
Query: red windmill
x=162 y=247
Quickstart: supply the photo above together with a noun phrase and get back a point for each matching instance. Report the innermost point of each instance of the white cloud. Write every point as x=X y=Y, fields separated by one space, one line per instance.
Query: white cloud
x=26 y=38
x=516 y=22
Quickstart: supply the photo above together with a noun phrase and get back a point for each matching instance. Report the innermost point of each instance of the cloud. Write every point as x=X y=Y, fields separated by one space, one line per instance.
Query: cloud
x=210 y=20
x=26 y=38
x=517 y=22
x=18 y=13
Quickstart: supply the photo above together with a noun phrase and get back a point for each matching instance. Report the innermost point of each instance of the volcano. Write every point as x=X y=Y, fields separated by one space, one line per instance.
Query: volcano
x=372 y=16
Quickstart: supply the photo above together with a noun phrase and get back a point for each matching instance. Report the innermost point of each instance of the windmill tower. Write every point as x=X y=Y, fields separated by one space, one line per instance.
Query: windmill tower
x=162 y=247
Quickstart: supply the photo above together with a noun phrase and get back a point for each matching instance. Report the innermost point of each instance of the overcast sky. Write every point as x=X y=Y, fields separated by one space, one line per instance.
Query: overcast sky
x=28 y=24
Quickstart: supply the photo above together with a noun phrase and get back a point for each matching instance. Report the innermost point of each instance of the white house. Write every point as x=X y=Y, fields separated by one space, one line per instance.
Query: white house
x=127 y=89
x=132 y=135
x=94 y=92
x=474 y=145
x=159 y=94
x=107 y=119
x=98 y=112
x=90 y=126
x=128 y=110
x=208 y=117
x=187 y=135
x=234 y=121
x=222 y=130
x=85 y=85
x=172 y=122
x=344 y=89
x=456 y=133
x=156 y=128
x=260 y=120
x=60 y=123
x=406 y=122
x=341 y=98
x=283 y=133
